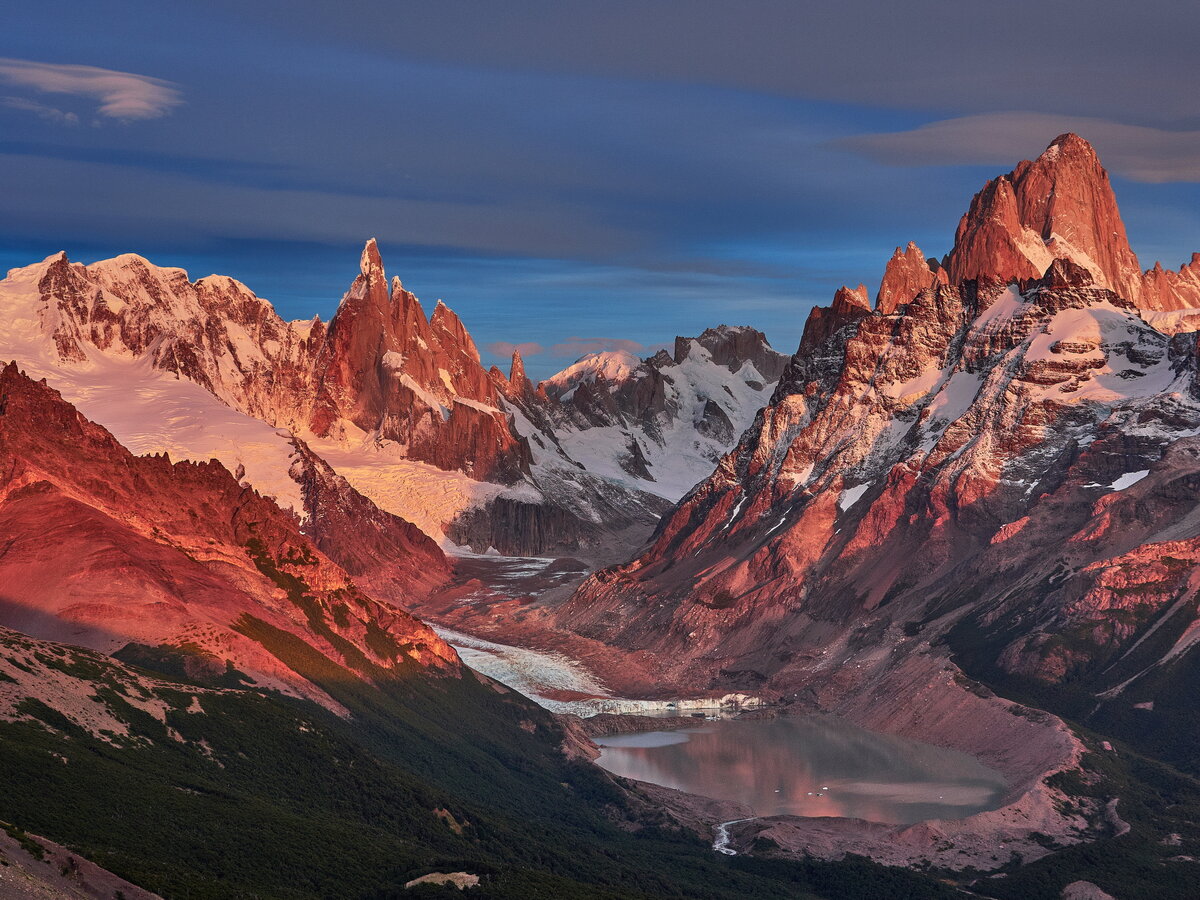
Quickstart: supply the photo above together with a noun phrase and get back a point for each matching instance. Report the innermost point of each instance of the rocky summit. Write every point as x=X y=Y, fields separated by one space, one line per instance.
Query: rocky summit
x=994 y=469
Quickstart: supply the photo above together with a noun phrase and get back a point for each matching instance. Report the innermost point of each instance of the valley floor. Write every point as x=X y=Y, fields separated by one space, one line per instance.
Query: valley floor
x=496 y=615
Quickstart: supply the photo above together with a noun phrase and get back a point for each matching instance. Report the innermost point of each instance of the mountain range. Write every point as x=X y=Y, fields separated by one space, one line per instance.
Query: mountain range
x=965 y=512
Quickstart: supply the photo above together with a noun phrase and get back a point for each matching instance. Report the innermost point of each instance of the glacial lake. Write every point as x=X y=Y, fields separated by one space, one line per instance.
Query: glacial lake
x=808 y=766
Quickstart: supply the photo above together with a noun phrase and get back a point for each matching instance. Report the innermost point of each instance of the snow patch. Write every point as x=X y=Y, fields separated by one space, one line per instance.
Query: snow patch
x=146 y=409
x=427 y=496
x=612 y=365
x=1129 y=479
x=850 y=496
x=427 y=398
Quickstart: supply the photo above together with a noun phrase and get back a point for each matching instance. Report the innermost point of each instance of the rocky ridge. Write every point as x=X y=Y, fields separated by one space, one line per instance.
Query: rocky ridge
x=107 y=550
x=657 y=424
x=908 y=454
x=397 y=400
x=999 y=470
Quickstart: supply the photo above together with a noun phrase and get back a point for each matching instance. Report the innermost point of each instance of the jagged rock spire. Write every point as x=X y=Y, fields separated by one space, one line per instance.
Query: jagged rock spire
x=370 y=262
x=907 y=274
x=846 y=298
x=1058 y=205
x=516 y=375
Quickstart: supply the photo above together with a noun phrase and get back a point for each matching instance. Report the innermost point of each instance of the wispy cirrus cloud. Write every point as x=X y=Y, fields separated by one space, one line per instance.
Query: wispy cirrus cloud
x=41 y=110
x=579 y=346
x=123 y=96
x=505 y=348
x=1151 y=155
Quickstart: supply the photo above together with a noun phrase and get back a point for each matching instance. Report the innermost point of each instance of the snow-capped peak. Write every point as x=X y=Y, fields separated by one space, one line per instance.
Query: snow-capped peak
x=611 y=365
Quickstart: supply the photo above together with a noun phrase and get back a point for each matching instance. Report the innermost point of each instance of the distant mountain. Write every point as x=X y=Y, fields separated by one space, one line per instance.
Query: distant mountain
x=658 y=424
x=395 y=402
x=1002 y=457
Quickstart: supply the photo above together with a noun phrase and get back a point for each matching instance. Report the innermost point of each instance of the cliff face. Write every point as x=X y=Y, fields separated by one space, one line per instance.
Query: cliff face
x=390 y=555
x=391 y=372
x=1006 y=455
x=1169 y=291
x=1060 y=205
x=103 y=549
x=906 y=275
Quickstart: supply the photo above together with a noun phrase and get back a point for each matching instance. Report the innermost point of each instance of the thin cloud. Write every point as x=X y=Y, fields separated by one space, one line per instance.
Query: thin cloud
x=504 y=348
x=578 y=346
x=121 y=95
x=41 y=110
x=1150 y=155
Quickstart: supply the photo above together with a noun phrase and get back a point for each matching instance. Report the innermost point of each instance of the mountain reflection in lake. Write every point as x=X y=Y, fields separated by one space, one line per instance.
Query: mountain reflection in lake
x=809 y=766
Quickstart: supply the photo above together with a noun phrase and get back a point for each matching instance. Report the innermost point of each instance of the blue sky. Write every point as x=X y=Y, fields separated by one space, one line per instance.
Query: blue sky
x=572 y=175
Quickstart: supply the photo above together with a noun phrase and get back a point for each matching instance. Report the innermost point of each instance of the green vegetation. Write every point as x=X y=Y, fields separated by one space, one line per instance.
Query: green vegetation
x=1152 y=769
x=28 y=844
x=1162 y=808
x=260 y=795
x=187 y=663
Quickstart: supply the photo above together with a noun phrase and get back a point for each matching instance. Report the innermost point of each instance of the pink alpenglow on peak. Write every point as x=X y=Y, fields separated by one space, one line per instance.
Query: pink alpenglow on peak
x=104 y=548
x=1060 y=204
x=907 y=274
x=379 y=368
x=1020 y=420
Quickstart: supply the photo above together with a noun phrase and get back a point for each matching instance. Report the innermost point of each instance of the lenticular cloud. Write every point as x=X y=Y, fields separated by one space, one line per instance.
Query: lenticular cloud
x=122 y=95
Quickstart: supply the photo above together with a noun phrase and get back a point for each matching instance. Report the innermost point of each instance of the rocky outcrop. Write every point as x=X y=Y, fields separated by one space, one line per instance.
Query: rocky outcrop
x=388 y=555
x=418 y=382
x=732 y=348
x=906 y=275
x=1168 y=291
x=103 y=549
x=1061 y=205
x=510 y=526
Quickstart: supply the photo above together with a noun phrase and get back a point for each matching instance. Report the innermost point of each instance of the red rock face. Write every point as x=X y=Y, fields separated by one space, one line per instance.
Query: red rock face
x=380 y=365
x=387 y=555
x=1059 y=205
x=973 y=454
x=907 y=274
x=103 y=548
x=1165 y=290
x=414 y=381
x=848 y=307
